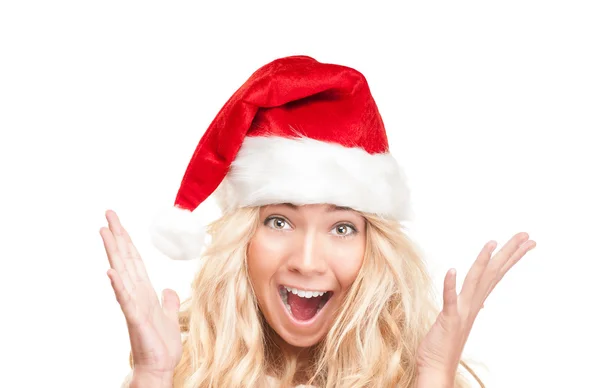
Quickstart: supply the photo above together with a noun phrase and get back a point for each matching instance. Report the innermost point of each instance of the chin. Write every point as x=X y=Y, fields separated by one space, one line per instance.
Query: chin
x=301 y=340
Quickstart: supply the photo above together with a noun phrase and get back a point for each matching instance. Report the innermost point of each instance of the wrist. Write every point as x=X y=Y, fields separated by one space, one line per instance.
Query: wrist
x=142 y=379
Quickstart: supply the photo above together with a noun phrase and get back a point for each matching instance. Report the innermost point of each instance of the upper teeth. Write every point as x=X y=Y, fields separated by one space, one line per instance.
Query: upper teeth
x=305 y=294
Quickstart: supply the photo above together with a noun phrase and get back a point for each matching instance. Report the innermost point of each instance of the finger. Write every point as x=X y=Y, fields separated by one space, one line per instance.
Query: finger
x=170 y=304
x=112 y=251
x=135 y=256
x=477 y=269
x=514 y=259
x=119 y=233
x=518 y=255
x=116 y=228
x=493 y=274
x=114 y=257
x=121 y=293
x=450 y=297
x=505 y=253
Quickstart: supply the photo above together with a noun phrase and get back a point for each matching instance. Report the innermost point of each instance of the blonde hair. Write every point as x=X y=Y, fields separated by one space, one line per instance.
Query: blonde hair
x=372 y=343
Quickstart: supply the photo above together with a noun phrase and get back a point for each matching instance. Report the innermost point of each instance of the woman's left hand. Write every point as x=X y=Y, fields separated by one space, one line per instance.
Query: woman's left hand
x=440 y=351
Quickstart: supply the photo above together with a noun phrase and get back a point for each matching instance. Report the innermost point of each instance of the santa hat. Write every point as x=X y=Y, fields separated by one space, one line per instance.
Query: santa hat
x=297 y=131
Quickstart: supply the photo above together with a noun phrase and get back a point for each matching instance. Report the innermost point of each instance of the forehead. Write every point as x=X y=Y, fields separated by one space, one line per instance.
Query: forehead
x=325 y=207
x=315 y=210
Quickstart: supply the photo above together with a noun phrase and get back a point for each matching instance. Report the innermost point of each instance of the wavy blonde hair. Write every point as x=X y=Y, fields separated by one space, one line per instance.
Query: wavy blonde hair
x=372 y=343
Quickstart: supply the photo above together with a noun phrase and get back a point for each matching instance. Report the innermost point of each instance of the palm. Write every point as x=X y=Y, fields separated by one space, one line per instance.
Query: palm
x=441 y=349
x=153 y=329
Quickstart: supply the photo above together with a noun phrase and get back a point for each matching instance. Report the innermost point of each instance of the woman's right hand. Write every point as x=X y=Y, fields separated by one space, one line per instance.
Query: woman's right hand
x=153 y=329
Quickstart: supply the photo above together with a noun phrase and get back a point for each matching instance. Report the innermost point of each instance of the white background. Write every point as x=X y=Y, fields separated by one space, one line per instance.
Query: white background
x=491 y=107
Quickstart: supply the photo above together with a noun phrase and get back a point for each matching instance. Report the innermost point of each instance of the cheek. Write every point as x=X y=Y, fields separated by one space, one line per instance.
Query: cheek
x=264 y=256
x=345 y=262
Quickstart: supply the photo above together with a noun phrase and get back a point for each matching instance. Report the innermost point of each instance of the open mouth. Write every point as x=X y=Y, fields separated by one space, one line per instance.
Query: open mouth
x=303 y=305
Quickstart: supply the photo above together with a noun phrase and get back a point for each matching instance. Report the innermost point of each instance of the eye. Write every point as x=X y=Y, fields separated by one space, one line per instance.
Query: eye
x=277 y=223
x=343 y=230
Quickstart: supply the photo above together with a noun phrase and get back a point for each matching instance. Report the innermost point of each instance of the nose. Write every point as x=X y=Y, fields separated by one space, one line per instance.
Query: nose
x=308 y=257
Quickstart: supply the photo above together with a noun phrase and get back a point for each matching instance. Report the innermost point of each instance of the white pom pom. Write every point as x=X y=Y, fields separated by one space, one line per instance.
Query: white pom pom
x=178 y=233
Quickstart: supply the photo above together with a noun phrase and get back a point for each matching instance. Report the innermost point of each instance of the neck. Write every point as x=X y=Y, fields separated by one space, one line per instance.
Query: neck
x=303 y=355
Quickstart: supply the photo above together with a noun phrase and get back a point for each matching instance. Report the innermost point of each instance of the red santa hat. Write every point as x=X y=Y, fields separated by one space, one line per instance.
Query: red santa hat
x=297 y=131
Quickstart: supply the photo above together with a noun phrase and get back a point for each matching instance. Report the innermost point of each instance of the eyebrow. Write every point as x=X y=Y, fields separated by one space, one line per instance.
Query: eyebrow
x=330 y=208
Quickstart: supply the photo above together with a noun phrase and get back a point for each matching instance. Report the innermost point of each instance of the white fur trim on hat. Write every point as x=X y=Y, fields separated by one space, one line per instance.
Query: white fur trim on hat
x=178 y=233
x=269 y=170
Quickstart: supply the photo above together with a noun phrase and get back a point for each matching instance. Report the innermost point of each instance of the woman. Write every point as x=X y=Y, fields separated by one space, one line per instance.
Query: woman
x=309 y=277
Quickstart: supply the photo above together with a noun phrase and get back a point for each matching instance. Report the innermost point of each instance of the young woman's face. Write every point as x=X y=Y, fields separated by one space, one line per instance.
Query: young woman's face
x=301 y=261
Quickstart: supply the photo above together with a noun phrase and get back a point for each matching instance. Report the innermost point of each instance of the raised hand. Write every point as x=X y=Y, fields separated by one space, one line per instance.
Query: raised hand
x=153 y=330
x=440 y=351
